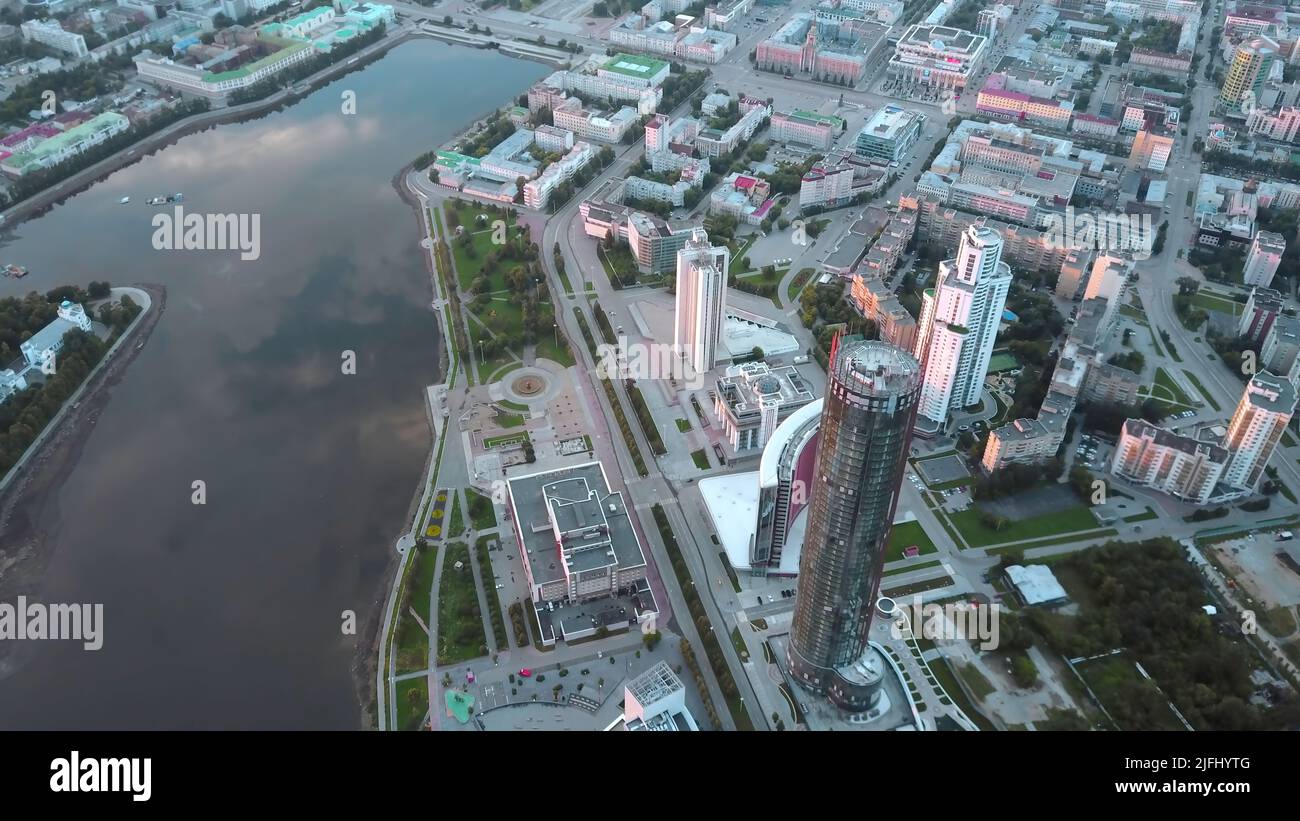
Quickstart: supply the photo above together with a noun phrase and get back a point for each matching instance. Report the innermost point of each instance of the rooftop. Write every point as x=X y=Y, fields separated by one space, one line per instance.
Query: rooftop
x=570 y=517
x=1036 y=583
x=633 y=65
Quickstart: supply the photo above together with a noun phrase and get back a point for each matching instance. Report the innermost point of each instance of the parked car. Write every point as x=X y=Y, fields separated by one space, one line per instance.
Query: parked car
x=526 y=673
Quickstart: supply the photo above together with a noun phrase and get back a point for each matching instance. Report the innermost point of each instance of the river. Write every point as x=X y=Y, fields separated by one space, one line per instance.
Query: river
x=228 y=614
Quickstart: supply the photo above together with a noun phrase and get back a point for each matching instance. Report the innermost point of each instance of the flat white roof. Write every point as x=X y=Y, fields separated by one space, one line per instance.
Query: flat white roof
x=1036 y=583
x=780 y=438
x=732 y=501
x=741 y=337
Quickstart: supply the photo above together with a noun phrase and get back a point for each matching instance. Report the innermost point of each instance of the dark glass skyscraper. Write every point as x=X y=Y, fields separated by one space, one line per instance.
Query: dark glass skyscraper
x=866 y=429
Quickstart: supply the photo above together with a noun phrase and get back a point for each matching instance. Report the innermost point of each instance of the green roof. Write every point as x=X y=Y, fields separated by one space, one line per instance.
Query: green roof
x=57 y=143
x=454 y=157
x=309 y=15
x=632 y=65
x=285 y=48
x=812 y=115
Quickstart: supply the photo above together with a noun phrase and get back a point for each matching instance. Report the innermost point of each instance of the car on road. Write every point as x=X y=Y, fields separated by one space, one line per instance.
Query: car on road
x=526 y=673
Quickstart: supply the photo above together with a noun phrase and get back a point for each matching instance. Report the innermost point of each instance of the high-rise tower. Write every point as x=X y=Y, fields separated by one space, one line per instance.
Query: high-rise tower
x=701 y=300
x=1252 y=61
x=959 y=323
x=1257 y=425
x=866 y=427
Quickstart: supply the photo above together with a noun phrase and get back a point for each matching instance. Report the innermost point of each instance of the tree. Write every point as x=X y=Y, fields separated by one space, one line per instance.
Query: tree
x=1023 y=671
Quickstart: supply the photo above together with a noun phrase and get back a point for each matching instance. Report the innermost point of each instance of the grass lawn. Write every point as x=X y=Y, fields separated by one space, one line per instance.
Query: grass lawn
x=977 y=534
x=507 y=439
x=457 y=522
x=1141 y=517
x=739 y=643
x=1003 y=361
x=1133 y=314
x=421 y=581
x=917 y=587
x=1214 y=303
x=481 y=514
x=1286 y=491
x=469 y=257
x=412 y=702
x=909 y=568
x=948 y=681
x=1166 y=393
x=490 y=590
x=460 y=623
x=700 y=458
x=1196 y=383
x=975 y=680
x=1166 y=381
x=1072 y=537
x=508 y=420
x=903 y=536
x=796 y=284
x=501 y=362
x=683 y=425
x=515 y=406
x=548 y=349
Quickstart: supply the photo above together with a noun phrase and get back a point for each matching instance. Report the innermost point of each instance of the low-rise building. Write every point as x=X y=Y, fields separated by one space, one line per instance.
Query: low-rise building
x=653 y=242
x=817 y=131
x=753 y=398
x=1111 y=384
x=41 y=348
x=743 y=196
x=1092 y=125
x=537 y=192
x=1001 y=103
x=889 y=133
x=655 y=701
x=61 y=146
x=877 y=302
x=937 y=56
x=576 y=536
x=50 y=33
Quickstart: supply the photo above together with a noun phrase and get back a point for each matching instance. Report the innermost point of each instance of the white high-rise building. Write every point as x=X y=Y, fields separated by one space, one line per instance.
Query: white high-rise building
x=959 y=323
x=1256 y=426
x=1109 y=275
x=701 y=300
x=1263 y=258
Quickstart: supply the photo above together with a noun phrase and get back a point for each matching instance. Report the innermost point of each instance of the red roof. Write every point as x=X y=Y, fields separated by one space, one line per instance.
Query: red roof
x=743 y=183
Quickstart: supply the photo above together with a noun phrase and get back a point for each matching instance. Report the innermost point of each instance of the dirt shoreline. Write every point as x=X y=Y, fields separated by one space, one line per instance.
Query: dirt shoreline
x=25 y=553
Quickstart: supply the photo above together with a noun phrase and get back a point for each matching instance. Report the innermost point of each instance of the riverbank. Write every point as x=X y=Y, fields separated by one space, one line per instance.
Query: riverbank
x=52 y=457
x=38 y=204
x=378 y=662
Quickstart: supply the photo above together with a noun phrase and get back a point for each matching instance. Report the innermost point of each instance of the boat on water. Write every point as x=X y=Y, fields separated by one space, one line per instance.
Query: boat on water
x=160 y=199
x=15 y=271
x=124 y=201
